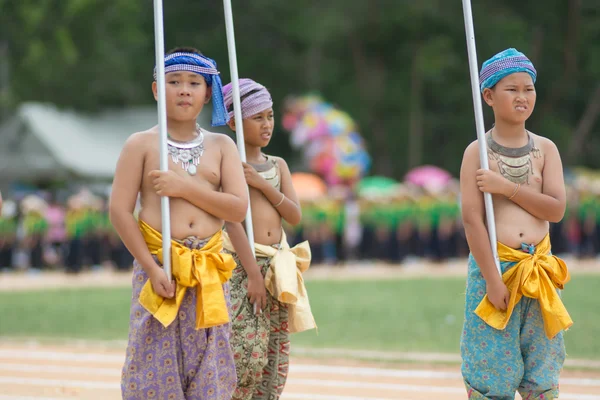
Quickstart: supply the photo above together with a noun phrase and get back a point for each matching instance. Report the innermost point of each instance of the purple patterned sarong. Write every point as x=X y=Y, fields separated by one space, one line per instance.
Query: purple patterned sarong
x=177 y=362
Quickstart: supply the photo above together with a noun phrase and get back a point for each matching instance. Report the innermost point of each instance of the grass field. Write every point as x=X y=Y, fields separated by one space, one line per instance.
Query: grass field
x=393 y=315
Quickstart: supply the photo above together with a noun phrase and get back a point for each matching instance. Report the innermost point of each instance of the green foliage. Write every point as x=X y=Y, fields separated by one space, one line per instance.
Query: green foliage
x=383 y=61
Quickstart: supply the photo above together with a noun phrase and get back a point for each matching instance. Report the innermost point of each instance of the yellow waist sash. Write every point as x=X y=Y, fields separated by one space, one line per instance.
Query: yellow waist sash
x=206 y=269
x=284 y=279
x=536 y=276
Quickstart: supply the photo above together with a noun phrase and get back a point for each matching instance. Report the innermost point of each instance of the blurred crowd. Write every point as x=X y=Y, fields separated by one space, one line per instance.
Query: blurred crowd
x=414 y=223
x=38 y=232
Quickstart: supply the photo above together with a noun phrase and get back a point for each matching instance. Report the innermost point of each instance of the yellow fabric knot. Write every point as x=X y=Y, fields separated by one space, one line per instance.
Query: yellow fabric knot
x=284 y=279
x=205 y=269
x=536 y=276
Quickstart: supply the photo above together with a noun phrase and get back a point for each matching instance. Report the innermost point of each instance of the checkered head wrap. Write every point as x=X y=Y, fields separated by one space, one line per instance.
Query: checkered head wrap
x=192 y=62
x=255 y=98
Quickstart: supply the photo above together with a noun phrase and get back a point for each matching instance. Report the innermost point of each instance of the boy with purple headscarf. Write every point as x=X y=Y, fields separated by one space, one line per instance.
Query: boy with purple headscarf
x=268 y=297
x=512 y=335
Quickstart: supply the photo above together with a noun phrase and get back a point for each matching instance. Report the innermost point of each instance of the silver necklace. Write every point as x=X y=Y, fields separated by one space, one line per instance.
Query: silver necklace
x=187 y=153
x=514 y=163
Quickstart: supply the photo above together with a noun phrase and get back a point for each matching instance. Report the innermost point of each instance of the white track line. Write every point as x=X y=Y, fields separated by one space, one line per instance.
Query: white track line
x=310 y=382
x=61 y=356
x=112 y=372
x=375 y=386
x=372 y=372
x=398 y=373
x=302 y=396
x=364 y=354
x=409 y=388
x=338 y=370
x=412 y=356
x=567 y=396
x=63 y=383
x=344 y=371
x=4 y=397
x=295 y=368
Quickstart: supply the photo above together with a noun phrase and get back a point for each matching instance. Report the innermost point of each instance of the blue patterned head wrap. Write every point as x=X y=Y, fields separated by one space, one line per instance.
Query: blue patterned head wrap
x=208 y=69
x=503 y=64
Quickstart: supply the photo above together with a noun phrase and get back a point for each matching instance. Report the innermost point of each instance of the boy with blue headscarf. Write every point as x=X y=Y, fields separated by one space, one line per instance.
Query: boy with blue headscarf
x=512 y=335
x=179 y=331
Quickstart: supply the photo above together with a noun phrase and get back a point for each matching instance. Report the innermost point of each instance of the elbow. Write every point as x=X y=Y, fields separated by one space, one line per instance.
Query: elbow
x=237 y=217
x=238 y=214
x=471 y=221
x=474 y=226
x=295 y=218
x=113 y=214
x=116 y=214
x=556 y=217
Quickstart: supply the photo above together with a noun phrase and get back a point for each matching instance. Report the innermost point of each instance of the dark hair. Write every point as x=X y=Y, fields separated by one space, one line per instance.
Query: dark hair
x=184 y=50
x=230 y=108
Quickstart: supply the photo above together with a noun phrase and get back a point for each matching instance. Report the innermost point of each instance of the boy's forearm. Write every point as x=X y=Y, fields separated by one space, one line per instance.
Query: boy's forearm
x=225 y=206
x=288 y=210
x=128 y=230
x=240 y=243
x=539 y=205
x=479 y=245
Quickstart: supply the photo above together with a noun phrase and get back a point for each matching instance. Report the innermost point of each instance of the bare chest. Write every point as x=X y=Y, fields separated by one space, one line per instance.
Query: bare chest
x=203 y=166
x=525 y=169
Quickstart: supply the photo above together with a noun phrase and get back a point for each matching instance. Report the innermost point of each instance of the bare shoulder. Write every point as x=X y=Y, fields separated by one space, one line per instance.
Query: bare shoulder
x=139 y=142
x=280 y=161
x=129 y=172
x=543 y=143
x=472 y=151
x=221 y=140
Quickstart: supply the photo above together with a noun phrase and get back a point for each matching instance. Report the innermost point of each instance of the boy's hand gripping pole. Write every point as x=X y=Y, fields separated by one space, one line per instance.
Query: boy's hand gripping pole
x=162 y=125
x=472 y=50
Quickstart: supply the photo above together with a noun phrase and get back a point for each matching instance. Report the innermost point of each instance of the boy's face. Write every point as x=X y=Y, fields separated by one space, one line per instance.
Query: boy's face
x=513 y=97
x=258 y=128
x=186 y=95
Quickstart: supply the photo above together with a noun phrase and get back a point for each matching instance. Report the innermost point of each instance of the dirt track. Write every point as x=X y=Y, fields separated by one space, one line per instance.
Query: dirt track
x=91 y=370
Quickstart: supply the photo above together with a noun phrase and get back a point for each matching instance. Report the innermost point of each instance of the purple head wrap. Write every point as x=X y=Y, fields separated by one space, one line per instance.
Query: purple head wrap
x=255 y=98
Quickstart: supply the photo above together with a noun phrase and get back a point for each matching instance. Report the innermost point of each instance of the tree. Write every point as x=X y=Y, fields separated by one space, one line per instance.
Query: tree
x=399 y=68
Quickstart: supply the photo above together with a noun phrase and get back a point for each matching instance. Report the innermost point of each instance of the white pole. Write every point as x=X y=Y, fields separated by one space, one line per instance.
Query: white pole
x=473 y=68
x=162 y=125
x=239 y=126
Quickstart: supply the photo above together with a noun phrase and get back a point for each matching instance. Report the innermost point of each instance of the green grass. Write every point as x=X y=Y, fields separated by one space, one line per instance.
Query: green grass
x=393 y=315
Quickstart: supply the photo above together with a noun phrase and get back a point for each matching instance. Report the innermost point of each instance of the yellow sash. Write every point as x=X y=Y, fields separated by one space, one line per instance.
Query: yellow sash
x=284 y=279
x=536 y=276
x=206 y=269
